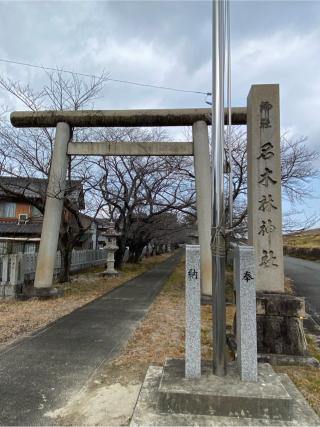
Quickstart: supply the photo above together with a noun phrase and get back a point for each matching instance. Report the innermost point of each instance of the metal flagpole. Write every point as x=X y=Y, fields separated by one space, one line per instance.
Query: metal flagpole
x=230 y=186
x=218 y=229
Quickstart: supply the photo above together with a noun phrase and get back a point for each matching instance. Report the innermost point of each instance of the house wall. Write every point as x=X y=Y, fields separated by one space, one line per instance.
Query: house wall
x=23 y=209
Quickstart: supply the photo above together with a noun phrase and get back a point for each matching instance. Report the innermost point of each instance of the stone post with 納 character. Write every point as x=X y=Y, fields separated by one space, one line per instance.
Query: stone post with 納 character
x=279 y=315
x=193 y=313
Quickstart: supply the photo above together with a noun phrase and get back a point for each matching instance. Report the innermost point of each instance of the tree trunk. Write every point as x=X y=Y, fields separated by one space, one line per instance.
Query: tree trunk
x=138 y=253
x=64 y=275
x=136 y=248
x=121 y=242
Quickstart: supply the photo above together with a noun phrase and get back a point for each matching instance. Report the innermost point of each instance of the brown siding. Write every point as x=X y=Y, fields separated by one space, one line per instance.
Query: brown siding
x=23 y=209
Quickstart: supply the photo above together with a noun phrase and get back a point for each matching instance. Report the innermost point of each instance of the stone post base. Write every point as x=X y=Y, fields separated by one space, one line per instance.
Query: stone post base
x=111 y=273
x=280 y=324
x=46 y=293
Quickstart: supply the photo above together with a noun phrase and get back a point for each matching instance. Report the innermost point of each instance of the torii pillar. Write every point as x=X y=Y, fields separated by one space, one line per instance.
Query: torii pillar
x=53 y=210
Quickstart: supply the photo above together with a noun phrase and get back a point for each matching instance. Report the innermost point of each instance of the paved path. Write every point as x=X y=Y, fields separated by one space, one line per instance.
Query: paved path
x=306 y=276
x=41 y=372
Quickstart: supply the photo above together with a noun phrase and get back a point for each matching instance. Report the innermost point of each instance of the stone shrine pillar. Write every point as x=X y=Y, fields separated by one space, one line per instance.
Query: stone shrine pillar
x=279 y=315
x=264 y=186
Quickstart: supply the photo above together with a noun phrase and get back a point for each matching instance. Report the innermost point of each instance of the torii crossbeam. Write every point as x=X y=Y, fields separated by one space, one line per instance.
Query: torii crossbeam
x=64 y=121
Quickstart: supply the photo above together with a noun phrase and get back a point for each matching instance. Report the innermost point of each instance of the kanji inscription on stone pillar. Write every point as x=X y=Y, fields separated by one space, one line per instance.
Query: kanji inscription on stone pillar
x=264 y=186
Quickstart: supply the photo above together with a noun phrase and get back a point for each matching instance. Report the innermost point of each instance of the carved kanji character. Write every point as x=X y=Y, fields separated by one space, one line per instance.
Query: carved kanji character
x=247 y=276
x=267 y=259
x=266 y=227
x=265 y=108
x=266 y=151
x=266 y=178
x=266 y=204
x=193 y=274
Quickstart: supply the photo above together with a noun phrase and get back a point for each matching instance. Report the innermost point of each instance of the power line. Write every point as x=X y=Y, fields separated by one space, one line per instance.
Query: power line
x=25 y=64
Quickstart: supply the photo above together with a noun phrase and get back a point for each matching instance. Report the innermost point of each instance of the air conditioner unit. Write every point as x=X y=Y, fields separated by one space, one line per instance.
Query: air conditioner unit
x=23 y=218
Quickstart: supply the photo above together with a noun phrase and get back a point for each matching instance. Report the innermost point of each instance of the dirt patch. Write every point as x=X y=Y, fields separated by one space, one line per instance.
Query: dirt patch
x=109 y=397
x=108 y=405
x=20 y=318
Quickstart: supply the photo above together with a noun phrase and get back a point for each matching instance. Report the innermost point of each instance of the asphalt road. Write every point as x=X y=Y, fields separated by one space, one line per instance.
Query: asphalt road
x=306 y=277
x=41 y=372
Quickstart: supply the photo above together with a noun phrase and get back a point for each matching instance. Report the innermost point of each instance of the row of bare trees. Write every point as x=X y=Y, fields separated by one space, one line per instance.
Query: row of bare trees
x=147 y=197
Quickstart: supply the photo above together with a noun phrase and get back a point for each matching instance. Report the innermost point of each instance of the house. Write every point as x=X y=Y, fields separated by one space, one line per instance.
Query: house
x=20 y=219
x=97 y=234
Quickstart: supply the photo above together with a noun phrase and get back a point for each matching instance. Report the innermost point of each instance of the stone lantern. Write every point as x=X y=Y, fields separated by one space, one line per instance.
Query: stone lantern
x=111 y=246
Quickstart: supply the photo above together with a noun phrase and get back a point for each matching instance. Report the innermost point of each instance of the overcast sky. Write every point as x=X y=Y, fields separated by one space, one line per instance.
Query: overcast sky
x=169 y=43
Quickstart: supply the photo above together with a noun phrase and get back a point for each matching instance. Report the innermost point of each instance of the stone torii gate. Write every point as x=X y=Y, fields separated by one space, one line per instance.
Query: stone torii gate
x=199 y=119
x=262 y=117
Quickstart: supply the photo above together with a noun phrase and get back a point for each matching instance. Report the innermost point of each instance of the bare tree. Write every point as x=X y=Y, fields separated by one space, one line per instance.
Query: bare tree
x=297 y=171
x=158 y=230
x=27 y=152
x=139 y=189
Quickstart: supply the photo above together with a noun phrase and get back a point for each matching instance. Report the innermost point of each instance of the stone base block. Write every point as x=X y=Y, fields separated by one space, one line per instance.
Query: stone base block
x=45 y=293
x=227 y=397
x=112 y=273
x=280 y=324
x=280 y=304
x=150 y=409
x=8 y=291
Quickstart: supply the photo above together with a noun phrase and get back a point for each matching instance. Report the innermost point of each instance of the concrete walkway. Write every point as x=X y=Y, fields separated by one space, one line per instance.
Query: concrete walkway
x=41 y=372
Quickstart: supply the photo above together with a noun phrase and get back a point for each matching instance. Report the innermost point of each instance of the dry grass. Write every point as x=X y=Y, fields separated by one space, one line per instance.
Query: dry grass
x=161 y=334
x=19 y=318
x=289 y=286
x=306 y=378
x=303 y=240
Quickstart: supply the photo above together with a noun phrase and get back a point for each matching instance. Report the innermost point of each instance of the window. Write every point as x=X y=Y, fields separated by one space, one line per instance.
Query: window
x=35 y=213
x=3 y=248
x=7 y=210
x=30 y=248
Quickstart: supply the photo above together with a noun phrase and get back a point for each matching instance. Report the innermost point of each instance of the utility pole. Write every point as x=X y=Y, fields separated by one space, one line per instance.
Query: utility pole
x=218 y=217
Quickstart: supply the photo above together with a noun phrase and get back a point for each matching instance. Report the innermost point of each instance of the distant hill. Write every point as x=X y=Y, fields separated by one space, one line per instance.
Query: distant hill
x=303 y=239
